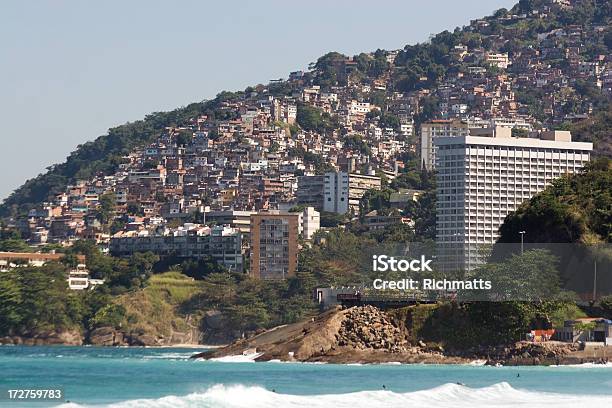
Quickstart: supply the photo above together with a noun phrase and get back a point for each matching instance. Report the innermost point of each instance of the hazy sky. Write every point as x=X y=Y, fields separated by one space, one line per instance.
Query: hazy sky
x=69 y=70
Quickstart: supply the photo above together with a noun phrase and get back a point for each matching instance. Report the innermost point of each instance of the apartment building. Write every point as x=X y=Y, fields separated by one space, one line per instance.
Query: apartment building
x=483 y=177
x=358 y=185
x=434 y=129
x=499 y=60
x=310 y=222
x=240 y=220
x=310 y=191
x=274 y=246
x=336 y=192
x=221 y=243
x=359 y=108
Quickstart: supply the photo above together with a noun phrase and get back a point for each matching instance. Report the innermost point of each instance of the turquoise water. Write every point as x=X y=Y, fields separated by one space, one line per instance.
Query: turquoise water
x=165 y=377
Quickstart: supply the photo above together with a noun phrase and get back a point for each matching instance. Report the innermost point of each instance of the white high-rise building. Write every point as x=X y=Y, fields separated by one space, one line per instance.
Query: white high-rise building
x=483 y=177
x=336 y=192
x=342 y=191
x=434 y=129
x=310 y=222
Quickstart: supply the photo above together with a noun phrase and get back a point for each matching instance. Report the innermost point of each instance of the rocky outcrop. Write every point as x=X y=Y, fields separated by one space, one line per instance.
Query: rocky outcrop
x=107 y=336
x=527 y=353
x=102 y=336
x=370 y=328
x=63 y=337
x=366 y=334
x=359 y=334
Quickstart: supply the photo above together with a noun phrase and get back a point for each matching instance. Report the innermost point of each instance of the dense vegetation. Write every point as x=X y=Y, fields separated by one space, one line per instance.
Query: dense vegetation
x=460 y=326
x=37 y=300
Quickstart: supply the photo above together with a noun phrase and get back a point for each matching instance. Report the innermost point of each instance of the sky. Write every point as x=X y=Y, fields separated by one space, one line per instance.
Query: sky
x=69 y=70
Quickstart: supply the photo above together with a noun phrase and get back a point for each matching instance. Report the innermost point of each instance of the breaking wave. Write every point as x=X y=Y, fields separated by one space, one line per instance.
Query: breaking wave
x=448 y=395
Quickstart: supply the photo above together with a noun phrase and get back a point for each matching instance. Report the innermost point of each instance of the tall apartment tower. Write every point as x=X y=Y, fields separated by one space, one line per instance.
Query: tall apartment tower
x=274 y=245
x=336 y=192
x=483 y=177
x=434 y=129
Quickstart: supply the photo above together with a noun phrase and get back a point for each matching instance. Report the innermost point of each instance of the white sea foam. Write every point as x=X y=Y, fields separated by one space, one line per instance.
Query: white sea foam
x=586 y=365
x=168 y=356
x=449 y=395
x=240 y=358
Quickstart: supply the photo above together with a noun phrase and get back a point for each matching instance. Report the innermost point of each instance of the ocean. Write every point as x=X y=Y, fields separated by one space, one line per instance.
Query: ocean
x=166 y=377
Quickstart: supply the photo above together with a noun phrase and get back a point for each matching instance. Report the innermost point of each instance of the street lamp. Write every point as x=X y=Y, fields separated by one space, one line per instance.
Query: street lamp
x=522 y=235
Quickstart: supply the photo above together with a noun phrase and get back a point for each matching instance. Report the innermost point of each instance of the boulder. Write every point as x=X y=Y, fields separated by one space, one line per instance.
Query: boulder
x=105 y=336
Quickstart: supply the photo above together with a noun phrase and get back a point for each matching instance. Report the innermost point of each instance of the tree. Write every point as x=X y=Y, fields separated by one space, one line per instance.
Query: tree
x=356 y=142
x=11 y=297
x=375 y=200
x=37 y=299
x=606 y=305
x=330 y=219
x=389 y=120
x=106 y=207
x=531 y=276
x=314 y=119
x=112 y=315
x=423 y=213
x=199 y=269
x=184 y=138
x=14 y=245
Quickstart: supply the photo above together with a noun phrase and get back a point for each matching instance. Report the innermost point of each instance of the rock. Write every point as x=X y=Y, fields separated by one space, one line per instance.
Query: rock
x=102 y=336
x=214 y=319
x=367 y=327
x=143 y=340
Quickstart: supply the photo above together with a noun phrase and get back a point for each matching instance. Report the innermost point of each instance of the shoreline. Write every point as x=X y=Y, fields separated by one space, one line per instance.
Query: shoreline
x=365 y=357
x=473 y=363
x=170 y=346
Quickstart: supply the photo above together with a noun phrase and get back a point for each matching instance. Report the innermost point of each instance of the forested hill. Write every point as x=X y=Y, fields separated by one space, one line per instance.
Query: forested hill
x=560 y=77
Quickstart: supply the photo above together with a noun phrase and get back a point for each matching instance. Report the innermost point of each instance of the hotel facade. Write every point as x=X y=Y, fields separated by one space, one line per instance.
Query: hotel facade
x=483 y=177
